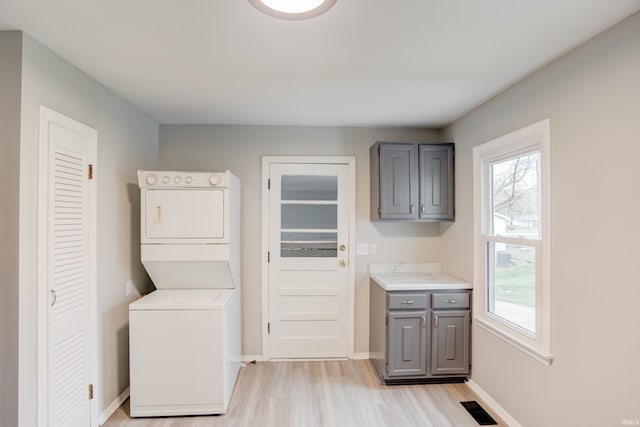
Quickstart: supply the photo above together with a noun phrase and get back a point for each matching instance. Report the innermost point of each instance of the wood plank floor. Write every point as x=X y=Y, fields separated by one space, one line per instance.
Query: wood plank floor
x=324 y=394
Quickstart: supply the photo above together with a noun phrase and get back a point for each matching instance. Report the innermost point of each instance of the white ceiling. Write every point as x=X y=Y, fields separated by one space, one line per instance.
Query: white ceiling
x=364 y=63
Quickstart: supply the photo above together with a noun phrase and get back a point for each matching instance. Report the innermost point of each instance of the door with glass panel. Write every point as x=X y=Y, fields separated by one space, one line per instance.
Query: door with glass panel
x=308 y=269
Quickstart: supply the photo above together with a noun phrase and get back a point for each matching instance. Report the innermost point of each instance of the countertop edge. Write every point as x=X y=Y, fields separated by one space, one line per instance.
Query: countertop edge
x=447 y=286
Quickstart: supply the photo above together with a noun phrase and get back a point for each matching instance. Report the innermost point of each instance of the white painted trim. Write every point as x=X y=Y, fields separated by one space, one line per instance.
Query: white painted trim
x=350 y=161
x=545 y=359
x=491 y=402
x=319 y=359
x=46 y=116
x=247 y=358
x=534 y=137
x=113 y=407
x=360 y=356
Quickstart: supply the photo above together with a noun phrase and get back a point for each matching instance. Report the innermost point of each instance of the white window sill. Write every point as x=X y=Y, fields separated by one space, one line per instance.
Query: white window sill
x=541 y=357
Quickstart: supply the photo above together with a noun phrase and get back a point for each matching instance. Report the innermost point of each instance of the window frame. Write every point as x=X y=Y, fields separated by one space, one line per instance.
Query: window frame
x=532 y=138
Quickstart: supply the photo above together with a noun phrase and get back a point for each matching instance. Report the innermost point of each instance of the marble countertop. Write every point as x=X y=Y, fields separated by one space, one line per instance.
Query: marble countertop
x=415 y=277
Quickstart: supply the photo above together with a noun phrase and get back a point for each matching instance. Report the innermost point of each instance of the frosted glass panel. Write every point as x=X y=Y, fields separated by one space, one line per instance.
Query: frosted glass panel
x=299 y=244
x=309 y=187
x=315 y=217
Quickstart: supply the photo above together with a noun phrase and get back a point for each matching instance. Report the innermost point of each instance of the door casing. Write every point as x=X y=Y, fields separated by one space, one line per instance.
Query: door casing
x=350 y=161
x=42 y=294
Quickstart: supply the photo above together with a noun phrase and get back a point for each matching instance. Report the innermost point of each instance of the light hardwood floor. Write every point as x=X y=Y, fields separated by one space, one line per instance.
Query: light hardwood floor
x=324 y=394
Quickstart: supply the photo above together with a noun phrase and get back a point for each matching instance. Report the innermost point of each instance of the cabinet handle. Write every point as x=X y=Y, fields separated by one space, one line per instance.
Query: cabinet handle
x=421 y=209
x=424 y=321
x=411 y=209
x=435 y=321
x=158 y=214
x=451 y=301
x=404 y=301
x=54 y=297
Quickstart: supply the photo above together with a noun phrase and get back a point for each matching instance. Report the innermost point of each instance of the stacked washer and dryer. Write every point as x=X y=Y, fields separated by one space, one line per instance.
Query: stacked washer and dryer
x=184 y=337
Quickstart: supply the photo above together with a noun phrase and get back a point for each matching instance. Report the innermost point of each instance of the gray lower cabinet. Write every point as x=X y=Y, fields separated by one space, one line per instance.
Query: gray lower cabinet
x=412 y=181
x=407 y=343
x=419 y=336
x=450 y=342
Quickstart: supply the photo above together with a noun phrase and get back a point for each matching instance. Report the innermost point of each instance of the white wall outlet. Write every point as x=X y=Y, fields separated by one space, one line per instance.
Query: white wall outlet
x=362 y=249
x=129 y=288
x=372 y=249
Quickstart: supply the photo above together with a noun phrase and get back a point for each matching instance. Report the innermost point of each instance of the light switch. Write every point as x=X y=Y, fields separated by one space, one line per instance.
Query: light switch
x=372 y=249
x=362 y=249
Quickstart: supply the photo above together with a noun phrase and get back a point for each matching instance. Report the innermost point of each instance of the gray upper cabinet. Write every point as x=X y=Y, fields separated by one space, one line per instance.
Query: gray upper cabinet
x=398 y=188
x=412 y=181
x=436 y=182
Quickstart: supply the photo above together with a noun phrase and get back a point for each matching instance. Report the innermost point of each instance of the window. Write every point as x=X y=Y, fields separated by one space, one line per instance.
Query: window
x=512 y=292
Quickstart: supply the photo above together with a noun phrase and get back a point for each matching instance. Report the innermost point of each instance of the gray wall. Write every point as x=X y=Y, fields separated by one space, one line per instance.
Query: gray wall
x=10 y=70
x=592 y=96
x=127 y=140
x=240 y=149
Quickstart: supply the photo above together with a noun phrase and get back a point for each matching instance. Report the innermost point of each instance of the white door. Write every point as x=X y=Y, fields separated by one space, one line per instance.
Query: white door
x=308 y=267
x=70 y=148
x=184 y=214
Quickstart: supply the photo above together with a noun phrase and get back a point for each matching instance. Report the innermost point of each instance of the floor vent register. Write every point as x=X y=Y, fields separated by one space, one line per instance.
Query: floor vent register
x=478 y=413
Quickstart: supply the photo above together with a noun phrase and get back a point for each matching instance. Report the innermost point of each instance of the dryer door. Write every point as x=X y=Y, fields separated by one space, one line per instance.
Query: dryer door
x=179 y=215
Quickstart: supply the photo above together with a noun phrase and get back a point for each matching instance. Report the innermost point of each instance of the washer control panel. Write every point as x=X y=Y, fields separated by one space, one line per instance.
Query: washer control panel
x=179 y=179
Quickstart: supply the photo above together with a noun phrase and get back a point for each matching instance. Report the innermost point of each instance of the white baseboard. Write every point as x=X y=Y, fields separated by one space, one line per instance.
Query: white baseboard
x=360 y=356
x=249 y=358
x=104 y=416
x=495 y=406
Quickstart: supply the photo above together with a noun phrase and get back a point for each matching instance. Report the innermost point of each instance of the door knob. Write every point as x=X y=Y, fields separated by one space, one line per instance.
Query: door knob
x=342 y=263
x=342 y=248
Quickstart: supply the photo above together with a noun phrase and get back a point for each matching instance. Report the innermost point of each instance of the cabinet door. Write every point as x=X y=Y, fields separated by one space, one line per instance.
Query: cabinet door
x=436 y=182
x=450 y=342
x=407 y=344
x=398 y=174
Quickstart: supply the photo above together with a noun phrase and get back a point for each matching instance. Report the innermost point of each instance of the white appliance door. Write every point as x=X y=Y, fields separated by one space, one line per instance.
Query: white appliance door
x=185 y=214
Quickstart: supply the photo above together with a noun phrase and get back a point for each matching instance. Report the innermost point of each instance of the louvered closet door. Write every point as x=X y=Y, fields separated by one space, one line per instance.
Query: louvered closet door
x=68 y=278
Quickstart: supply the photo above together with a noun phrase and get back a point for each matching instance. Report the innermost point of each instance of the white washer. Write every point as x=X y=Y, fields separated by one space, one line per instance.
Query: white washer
x=183 y=362
x=185 y=337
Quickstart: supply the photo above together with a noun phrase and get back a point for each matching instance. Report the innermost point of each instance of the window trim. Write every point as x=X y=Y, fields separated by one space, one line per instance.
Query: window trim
x=535 y=137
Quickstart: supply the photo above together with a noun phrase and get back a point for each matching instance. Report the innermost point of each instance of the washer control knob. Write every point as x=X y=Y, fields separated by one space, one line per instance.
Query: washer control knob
x=188 y=180
x=152 y=179
x=165 y=179
x=177 y=179
x=214 y=180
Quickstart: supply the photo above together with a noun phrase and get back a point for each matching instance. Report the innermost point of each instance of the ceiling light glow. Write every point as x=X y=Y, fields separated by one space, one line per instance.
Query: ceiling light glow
x=289 y=6
x=293 y=9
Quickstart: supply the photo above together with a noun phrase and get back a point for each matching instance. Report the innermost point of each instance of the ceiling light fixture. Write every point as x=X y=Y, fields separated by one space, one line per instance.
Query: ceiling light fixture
x=293 y=9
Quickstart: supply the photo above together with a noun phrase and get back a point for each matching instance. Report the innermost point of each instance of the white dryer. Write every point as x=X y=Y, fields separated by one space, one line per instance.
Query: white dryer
x=185 y=337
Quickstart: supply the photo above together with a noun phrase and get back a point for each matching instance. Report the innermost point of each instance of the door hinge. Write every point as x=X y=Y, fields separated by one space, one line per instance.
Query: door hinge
x=269 y=184
x=386 y=320
x=90 y=391
x=269 y=256
x=268 y=327
x=90 y=172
